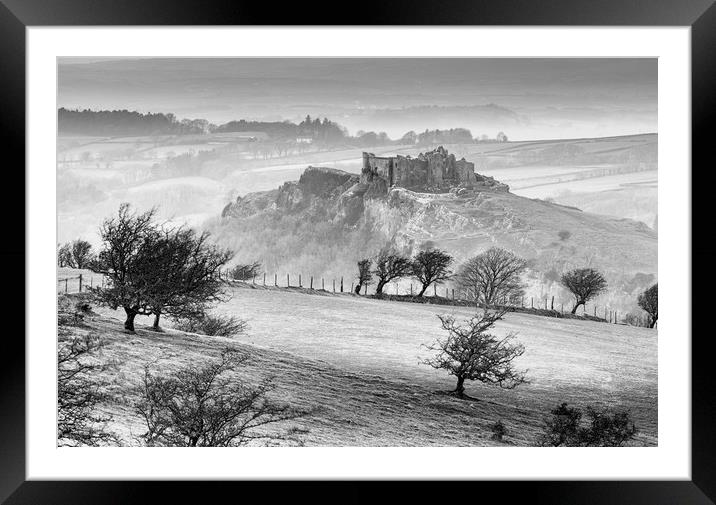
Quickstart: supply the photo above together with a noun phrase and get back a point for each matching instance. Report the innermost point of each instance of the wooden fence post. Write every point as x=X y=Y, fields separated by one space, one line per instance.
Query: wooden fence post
x=323 y=284
x=341 y=284
x=453 y=294
x=365 y=291
x=552 y=302
x=91 y=279
x=300 y=282
x=264 y=278
x=311 y=282
x=563 y=309
x=253 y=280
x=522 y=301
x=80 y=283
x=435 y=290
x=595 y=311
x=334 y=285
x=532 y=301
x=616 y=316
x=275 y=280
x=351 y=287
x=66 y=285
x=411 y=289
x=288 y=280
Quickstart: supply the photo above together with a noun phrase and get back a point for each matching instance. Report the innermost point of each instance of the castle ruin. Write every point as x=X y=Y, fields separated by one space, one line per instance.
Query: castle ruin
x=435 y=170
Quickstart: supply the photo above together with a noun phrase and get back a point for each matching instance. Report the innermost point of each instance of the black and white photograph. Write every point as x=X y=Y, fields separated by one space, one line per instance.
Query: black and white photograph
x=374 y=252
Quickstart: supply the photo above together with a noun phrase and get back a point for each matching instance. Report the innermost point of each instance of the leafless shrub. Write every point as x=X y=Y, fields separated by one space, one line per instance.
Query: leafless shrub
x=246 y=272
x=498 y=430
x=215 y=325
x=205 y=407
x=604 y=428
x=633 y=319
x=79 y=393
x=564 y=235
x=649 y=301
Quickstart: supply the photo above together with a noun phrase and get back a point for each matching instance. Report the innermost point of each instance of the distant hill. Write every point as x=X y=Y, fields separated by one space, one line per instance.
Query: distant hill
x=325 y=227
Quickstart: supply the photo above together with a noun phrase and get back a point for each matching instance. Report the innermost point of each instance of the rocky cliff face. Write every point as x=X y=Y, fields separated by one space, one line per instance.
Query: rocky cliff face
x=344 y=196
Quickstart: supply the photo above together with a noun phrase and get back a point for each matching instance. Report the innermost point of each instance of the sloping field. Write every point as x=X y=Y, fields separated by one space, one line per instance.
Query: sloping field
x=356 y=361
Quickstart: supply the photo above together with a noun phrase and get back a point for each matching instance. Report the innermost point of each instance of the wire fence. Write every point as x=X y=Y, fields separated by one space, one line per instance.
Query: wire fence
x=447 y=295
x=80 y=283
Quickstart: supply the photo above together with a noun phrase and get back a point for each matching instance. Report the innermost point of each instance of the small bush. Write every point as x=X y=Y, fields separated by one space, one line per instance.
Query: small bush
x=79 y=393
x=246 y=272
x=603 y=429
x=633 y=319
x=206 y=406
x=498 y=430
x=214 y=325
x=564 y=235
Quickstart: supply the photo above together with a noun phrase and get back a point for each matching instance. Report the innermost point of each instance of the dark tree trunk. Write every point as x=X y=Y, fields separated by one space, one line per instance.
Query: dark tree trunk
x=652 y=323
x=574 y=310
x=379 y=288
x=460 y=388
x=423 y=289
x=155 y=326
x=129 y=323
x=358 y=288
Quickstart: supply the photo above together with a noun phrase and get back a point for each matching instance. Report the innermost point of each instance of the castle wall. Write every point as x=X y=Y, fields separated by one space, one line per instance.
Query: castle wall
x=465 y=170
x=431 y=169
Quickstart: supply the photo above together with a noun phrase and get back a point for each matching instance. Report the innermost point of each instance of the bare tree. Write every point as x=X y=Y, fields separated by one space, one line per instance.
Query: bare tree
x=390 y=266
x=64 y=256
x=79 y=392
x=182 y=273
x=75 y=254
x=649 y=301
x=491 y=276
x=364 y=274
x=471 y=353
x=431 y=266
x=123 y=260
x=206 y=406
x=585 y=284
x=246 y=272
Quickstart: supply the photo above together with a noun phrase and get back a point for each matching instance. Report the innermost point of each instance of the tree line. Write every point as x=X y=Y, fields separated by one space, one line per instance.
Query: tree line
x=320 y=131
x=490 y=278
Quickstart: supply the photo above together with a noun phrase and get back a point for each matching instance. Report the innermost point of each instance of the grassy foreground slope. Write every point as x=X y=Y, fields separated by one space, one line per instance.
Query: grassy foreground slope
x=355 y=362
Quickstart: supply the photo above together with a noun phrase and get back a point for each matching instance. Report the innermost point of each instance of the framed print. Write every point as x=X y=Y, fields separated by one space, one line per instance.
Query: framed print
x=423 y=249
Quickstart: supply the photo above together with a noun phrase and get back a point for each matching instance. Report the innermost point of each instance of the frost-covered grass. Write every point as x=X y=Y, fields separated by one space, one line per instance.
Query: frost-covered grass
x=357 y=361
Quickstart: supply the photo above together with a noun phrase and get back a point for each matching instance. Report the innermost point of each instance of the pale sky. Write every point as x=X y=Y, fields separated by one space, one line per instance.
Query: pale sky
x=525 y=98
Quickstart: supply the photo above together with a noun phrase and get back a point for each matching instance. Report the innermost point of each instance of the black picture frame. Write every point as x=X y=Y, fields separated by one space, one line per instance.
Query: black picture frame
x=16 y=15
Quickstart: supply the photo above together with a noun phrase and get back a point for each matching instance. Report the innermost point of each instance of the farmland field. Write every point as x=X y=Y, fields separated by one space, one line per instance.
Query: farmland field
x=357 y=362
x=608 y=173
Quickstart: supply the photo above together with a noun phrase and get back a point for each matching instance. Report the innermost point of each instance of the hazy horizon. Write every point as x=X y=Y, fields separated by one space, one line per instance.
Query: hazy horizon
x=525 y=98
